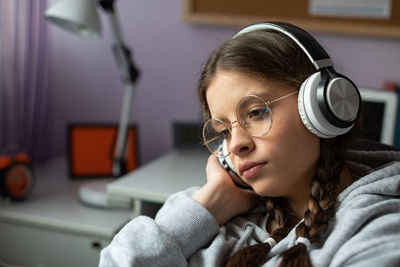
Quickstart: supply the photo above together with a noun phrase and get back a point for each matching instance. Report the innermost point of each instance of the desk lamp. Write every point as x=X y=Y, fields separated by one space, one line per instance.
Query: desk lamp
x=81 y=17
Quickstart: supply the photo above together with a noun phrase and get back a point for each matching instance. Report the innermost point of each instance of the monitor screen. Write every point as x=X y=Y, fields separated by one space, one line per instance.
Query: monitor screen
x=379 y=112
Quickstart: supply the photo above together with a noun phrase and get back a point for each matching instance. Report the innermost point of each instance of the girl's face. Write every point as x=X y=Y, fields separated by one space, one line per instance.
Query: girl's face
x=280 y=163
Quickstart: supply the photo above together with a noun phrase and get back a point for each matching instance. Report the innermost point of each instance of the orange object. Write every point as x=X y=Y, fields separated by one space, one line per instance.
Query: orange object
x=390 y=86
x=23 y=158
x=18 y=181
x=5 y=162
x=91 y=149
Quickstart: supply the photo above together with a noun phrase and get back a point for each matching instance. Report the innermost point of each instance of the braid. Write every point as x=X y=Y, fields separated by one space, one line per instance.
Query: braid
x=255 y=255
x=322 y=201
x=321 y=208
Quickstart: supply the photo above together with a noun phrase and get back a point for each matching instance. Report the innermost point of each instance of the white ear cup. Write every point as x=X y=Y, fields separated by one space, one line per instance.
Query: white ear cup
x=228 y=159
x=227 y=164
x=230 y=164
x=303 y=115
x=310 y=112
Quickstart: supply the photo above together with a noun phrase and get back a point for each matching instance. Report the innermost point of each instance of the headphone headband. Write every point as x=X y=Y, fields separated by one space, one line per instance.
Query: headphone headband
x=314 y=51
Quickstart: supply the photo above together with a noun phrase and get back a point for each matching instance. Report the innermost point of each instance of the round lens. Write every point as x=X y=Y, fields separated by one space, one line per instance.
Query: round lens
x=215 y=132
x=254 y=115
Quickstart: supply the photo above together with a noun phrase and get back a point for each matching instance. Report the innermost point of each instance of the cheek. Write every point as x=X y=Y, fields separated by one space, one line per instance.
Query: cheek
x=295 y=143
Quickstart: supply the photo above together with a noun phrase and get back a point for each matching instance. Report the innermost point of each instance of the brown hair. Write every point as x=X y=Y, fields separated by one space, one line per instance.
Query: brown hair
x=266 y=54
x=275 y=57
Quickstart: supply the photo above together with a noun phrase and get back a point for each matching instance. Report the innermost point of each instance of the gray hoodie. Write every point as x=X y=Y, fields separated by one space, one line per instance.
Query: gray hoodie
x=364 y=232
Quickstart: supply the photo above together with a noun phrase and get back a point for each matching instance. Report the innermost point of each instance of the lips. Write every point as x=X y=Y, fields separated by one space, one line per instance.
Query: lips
x=249 y=169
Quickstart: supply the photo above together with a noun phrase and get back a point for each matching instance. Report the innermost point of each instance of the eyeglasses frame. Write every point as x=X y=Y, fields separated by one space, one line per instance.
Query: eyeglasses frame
x=267 y=103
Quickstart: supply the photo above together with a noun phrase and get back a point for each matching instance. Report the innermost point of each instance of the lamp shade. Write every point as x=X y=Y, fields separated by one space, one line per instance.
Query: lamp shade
x=78 y=16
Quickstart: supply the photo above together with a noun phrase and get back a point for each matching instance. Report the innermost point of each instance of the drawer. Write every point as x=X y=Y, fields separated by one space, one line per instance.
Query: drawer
x=23 y=245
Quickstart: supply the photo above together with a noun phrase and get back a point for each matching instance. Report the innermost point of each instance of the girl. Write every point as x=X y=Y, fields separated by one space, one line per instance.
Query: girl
x=270 y=98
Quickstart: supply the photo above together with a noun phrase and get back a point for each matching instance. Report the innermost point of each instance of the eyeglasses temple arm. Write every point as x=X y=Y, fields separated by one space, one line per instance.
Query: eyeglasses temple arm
x=282 y=97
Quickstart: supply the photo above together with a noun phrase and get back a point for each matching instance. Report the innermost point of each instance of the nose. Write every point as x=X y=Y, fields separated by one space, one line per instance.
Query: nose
x=241 y=142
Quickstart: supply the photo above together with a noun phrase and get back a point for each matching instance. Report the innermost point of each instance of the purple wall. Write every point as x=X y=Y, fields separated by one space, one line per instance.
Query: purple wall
x=86 y=83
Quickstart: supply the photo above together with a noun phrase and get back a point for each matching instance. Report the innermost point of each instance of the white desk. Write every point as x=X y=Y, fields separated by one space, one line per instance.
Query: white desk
x=51 y=228
x=157 y=180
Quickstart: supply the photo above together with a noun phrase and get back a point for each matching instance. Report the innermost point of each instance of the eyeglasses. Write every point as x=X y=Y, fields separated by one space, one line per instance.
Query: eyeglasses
x=253 y=114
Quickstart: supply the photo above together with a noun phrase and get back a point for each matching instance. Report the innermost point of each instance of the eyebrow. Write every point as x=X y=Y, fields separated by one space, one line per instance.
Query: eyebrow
x=264 y=95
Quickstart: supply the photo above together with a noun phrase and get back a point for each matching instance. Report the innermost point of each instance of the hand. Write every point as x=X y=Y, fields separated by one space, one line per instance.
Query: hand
x=220 y=196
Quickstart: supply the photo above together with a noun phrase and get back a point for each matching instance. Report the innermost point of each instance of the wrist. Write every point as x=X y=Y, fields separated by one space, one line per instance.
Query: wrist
x=215 y=201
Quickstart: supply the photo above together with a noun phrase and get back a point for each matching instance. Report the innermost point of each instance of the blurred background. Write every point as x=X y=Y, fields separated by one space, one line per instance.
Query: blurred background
x=83 y=82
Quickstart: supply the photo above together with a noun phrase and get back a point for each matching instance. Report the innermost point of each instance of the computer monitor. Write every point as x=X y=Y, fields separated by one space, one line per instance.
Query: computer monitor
x=379 y=115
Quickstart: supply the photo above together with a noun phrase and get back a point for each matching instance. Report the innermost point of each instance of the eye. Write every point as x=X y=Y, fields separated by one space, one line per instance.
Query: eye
x=220 y=129
x=257 y=113
x=224 y=133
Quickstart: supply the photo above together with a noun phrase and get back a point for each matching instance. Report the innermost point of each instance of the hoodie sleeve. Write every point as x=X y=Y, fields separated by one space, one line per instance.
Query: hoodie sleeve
x=181 y=227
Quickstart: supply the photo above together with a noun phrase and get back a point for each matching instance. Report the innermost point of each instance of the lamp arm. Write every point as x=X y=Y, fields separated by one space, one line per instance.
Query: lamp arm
x=129 y=75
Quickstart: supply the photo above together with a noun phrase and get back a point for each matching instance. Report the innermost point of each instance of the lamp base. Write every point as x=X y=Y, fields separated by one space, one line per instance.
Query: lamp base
x=94 y=194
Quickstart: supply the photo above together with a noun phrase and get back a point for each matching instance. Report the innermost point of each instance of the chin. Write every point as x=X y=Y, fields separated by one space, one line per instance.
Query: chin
x=265 y=190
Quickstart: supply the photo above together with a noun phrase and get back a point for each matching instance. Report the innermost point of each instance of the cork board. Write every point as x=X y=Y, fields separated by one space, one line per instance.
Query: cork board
x=241 y=12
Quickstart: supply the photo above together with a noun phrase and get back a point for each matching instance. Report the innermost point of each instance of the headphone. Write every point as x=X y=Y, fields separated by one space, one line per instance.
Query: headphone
x=328 y=102
x=16 y=177
x=227 y=164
